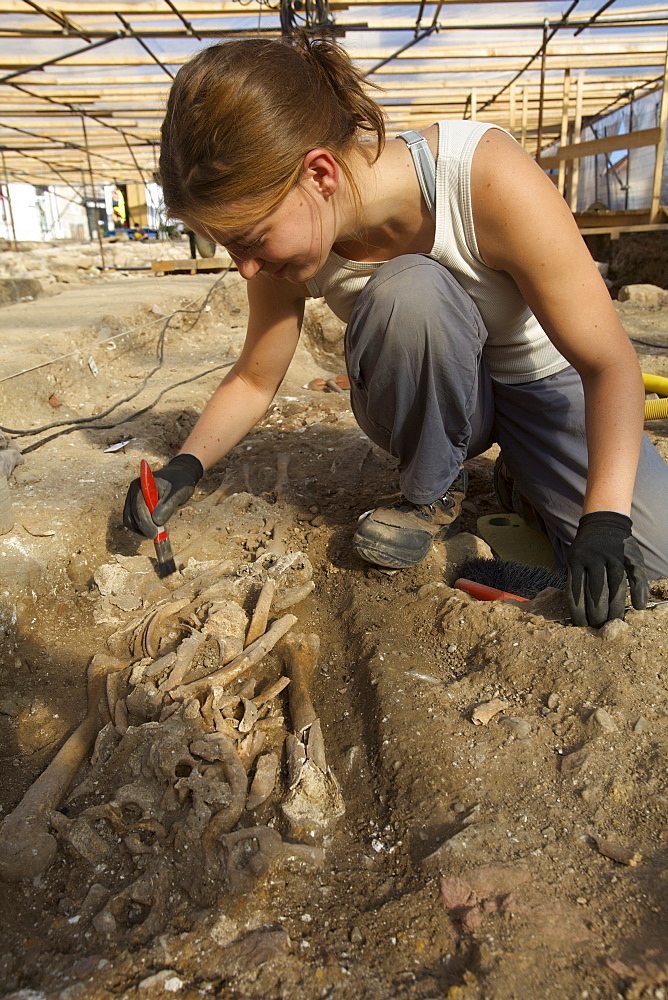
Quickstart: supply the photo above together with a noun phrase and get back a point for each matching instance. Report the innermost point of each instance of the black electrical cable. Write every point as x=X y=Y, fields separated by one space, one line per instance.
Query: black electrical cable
x=132 y=416
x=160 y=349
x=649 y=343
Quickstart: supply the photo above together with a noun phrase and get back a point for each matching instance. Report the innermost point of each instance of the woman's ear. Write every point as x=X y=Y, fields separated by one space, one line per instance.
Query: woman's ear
x=322 y=170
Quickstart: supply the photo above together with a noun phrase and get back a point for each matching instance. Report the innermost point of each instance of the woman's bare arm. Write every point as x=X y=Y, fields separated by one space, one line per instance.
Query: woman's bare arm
x=276 y=311
x=523 y=226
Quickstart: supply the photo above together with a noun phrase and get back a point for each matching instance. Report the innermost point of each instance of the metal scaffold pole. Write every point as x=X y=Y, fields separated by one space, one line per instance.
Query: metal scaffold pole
x=92 y=187
x=9 y=199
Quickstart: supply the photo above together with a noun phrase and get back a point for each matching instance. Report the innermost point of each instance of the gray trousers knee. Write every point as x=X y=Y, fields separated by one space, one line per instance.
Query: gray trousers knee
x=413 y=350
x=421 y=391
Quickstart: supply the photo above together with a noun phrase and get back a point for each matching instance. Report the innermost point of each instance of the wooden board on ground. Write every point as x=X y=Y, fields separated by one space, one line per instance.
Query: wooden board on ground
x=190 y=265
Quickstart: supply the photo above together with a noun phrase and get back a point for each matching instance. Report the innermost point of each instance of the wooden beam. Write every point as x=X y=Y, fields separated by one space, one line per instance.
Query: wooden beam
x=561 y=181
x=577 y=130
x=608 y=144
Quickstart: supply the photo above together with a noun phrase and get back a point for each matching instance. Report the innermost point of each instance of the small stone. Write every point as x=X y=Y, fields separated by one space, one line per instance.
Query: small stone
x=604 y=721
x=614 y=630
x=356 y=936
x=224 y=931
x=519 y=728
x=640 y=725
x=643 y=295
x=553 y=701
x=617 y=852
x=166 y=979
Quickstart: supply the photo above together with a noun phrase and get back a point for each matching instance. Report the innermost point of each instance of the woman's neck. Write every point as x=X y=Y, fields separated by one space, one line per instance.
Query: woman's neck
x=392 y=218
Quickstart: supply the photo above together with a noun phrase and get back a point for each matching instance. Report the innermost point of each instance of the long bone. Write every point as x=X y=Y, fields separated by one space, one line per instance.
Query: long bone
x=240 y=664
x=300 y=653
x=26 y=846
x=260 y=617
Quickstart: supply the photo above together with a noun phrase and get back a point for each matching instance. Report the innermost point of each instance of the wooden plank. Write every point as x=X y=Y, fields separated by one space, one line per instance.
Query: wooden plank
x=561 y=182
x=192 y=265
x=629 y=140
x=577 y=129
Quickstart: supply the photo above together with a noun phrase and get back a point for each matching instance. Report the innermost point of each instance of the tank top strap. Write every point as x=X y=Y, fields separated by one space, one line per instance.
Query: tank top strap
x=425 y=166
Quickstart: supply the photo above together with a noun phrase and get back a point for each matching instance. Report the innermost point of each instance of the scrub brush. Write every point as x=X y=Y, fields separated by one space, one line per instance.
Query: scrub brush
x=506 y=578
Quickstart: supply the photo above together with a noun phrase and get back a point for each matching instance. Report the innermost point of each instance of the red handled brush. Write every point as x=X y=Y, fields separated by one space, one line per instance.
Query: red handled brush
x=163 y=548
x=483 y=593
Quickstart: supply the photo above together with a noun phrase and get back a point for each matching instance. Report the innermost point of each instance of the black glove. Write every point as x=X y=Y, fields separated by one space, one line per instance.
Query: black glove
x=602 y=556
x=175 y=483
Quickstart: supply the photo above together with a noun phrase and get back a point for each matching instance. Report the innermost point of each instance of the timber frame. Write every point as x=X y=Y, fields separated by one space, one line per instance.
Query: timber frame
x=83 y=85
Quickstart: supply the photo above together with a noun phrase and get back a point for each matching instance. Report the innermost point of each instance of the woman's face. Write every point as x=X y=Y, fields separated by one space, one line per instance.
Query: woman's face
x=289 y=243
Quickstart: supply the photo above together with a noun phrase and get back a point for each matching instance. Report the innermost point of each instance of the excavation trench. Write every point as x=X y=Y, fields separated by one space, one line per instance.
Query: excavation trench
x=471 y=858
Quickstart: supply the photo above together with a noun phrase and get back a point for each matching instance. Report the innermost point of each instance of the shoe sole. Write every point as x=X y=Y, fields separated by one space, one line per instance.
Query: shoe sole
x=386 y=552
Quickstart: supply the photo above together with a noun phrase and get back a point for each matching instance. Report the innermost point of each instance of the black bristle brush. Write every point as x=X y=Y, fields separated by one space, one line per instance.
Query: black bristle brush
x=509 y=578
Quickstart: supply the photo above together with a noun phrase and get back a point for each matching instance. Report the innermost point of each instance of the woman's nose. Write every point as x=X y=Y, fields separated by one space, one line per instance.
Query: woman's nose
x=248 y=266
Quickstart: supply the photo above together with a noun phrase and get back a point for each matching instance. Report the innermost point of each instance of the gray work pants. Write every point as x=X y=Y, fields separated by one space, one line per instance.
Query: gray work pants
x=421 y=391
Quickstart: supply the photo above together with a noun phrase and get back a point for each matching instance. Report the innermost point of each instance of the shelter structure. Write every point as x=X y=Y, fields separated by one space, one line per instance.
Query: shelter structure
x=83 y=85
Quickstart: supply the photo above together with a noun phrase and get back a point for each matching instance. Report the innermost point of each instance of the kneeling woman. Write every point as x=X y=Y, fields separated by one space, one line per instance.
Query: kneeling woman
x=475 y=312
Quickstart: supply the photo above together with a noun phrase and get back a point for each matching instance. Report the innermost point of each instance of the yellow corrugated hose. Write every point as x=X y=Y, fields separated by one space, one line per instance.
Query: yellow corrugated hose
x=656 y=409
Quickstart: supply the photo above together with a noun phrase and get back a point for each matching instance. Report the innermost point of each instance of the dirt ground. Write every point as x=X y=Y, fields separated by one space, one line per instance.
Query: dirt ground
x=523 y=858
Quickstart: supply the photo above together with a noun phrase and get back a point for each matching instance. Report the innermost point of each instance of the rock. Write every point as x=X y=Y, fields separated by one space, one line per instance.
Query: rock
x=166 y=979
x=640 y=725
x=519 y=728
x=224 y=931
x=643 y=295
x=460 y=548
x=614 y=630
x=604 y=721
x=617 y=852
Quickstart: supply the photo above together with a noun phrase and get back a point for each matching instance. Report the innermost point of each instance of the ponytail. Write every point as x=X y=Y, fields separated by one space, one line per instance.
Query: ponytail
x=242 y=115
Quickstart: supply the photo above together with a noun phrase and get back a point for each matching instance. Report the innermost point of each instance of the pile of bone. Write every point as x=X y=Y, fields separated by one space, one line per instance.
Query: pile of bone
x=187 y=772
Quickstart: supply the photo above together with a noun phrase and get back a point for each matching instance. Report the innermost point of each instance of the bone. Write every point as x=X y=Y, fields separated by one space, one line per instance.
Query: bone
x=263 y=782
x=271 y=692
x=486 y=710
x=150 y=637
x=250 y=853
x=249 y=717
x=258 y=625
x=185 y=654
x=250 y=747
x=152 y=889
x=216 y=747
x=295 y=595
x=240 y=664
x=300 y=653
x=315 y=746
x=26 y=846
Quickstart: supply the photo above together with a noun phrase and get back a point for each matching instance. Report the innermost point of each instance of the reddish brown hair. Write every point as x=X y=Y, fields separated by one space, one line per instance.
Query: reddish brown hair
x=242 y=115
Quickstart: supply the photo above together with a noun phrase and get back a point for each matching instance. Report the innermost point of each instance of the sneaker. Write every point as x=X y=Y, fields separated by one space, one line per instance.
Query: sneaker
x=401 y=535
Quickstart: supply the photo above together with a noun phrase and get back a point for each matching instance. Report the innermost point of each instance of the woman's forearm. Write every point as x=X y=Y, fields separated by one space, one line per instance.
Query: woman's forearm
x=233 y=410
x=614 y=400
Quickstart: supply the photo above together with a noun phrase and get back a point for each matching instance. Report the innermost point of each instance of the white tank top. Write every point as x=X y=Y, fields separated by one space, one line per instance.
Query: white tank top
x=517 y=349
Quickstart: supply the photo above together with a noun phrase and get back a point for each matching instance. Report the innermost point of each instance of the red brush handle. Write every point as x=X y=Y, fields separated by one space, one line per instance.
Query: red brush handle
x=482 y=592
x=148 y=488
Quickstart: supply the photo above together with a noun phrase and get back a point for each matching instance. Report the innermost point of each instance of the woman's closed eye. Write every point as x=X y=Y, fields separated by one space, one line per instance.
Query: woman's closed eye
x=246 y=248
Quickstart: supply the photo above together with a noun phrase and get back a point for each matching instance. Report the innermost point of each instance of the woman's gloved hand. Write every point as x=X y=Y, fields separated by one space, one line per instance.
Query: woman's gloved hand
x=176 y=484
x=603 y=556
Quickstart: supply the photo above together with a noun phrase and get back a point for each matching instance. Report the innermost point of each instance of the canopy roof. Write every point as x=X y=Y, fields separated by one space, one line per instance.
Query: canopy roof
x=84 y=84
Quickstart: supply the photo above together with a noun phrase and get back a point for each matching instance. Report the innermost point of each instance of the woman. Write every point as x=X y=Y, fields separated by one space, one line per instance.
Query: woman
x=475 y=312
